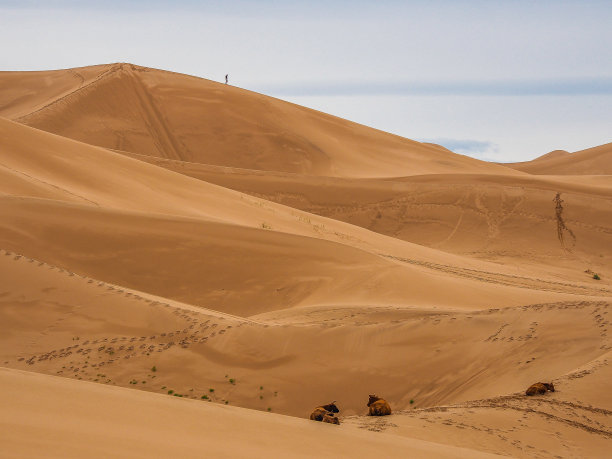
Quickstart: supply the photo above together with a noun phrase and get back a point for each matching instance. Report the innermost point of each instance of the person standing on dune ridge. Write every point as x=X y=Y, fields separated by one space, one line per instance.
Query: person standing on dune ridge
x=226 y=78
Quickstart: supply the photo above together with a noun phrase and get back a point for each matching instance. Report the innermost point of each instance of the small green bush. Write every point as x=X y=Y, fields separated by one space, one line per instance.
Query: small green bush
x=211 y=390
x=204 y=397
x=232 y=381
x=596 y=276
x=411 y=401
x=154 y=369
x=170 y=392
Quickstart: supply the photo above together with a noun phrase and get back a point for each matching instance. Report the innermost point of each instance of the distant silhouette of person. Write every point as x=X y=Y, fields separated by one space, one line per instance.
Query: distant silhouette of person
x=226 y=78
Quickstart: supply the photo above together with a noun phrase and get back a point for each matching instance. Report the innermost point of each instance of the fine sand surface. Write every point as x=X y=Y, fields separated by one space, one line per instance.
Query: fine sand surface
x=90 y=420
x=190 y=268
x=495 y=217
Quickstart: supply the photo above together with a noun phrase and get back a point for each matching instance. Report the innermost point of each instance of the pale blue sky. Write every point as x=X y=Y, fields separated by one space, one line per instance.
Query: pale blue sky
x=499 y=80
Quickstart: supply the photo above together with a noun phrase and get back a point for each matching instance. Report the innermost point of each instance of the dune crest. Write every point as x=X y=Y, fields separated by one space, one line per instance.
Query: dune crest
x=169 y=115
x=592 y=161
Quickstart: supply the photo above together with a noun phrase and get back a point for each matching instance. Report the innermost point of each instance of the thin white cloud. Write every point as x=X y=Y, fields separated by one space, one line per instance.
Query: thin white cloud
x=519 y=87
x=416 y=68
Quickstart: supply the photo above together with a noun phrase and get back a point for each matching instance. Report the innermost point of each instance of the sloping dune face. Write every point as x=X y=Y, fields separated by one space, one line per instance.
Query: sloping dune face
x=182 y=263
x=169 y=115
x=592 y=161
x=494 y=217
x=194 y=430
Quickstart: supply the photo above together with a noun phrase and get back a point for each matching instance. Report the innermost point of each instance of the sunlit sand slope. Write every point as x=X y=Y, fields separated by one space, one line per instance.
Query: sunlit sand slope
x=170 y=115
x=496 y=217
x=592 y=161
x=62 y=418
x=62 y=323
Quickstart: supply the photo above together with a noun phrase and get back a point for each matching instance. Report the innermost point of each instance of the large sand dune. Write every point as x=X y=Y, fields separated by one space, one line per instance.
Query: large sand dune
x=495 y=217
x=169 y=115
x=169 y=235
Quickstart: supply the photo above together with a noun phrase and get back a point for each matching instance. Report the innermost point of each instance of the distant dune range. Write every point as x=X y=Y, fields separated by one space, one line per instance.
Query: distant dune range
x=592 y=161
x=175 y=235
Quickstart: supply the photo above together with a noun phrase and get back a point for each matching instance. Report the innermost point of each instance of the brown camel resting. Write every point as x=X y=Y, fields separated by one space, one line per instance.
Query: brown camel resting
x=378 y=406
x=321 y=411
x=540 y=388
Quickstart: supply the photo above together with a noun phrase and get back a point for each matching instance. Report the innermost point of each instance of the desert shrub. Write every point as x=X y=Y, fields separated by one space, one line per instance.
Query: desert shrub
x=596 y=276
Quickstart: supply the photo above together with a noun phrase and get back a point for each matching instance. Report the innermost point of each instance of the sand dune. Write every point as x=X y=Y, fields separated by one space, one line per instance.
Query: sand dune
x=169 y=115
x=145 y=425
x=163 y=235
x=78 y=326
x=23 y=93
x=145 y=218
x=592 y=161
x=476 y=215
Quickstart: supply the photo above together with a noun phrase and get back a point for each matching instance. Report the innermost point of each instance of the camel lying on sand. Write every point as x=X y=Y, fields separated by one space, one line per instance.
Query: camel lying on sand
x=325 y=413
x=378 y=406
x=540 y=388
